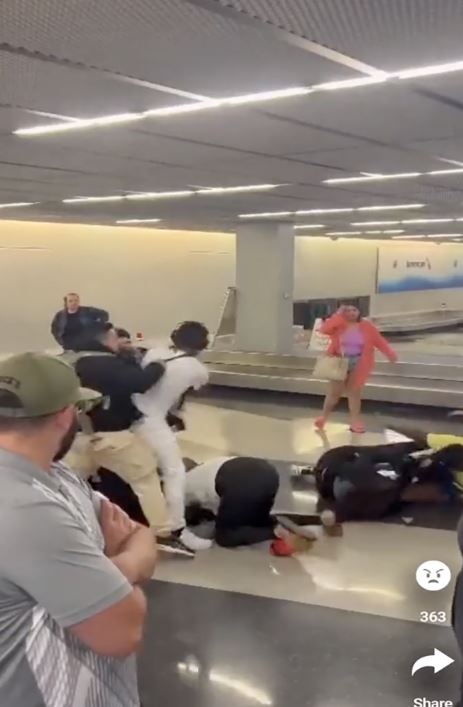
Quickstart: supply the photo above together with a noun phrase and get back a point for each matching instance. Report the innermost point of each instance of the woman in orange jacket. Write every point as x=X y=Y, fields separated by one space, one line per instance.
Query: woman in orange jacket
x=356 y=339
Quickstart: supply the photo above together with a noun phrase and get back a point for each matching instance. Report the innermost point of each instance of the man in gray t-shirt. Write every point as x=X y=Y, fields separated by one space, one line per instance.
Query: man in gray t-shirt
x=71 y=613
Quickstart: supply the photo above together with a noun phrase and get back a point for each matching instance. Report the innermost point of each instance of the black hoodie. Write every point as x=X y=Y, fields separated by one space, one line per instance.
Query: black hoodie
x=117 y=378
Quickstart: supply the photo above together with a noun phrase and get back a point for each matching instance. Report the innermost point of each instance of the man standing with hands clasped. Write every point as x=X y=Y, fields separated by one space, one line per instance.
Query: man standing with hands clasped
x=71 y=608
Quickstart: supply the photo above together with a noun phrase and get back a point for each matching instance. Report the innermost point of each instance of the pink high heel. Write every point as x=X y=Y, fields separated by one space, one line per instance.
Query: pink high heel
x=358 y=428
x=320 y=423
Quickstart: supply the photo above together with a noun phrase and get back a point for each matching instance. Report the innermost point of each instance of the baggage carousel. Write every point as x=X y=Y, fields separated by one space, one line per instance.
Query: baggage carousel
x=426 y=380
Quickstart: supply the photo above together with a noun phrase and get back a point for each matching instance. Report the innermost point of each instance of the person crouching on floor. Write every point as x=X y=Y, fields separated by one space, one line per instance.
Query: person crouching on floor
x=238 y=493
x=160 y=406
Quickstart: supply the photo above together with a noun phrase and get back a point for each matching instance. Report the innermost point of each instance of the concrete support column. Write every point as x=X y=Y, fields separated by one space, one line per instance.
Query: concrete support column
x=265 y=285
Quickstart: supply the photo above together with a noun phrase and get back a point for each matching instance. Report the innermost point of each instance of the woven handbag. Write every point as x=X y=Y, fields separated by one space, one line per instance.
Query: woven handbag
x=331 y=368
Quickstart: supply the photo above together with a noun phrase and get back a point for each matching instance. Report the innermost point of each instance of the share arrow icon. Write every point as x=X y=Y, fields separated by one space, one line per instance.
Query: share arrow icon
x=438 y=661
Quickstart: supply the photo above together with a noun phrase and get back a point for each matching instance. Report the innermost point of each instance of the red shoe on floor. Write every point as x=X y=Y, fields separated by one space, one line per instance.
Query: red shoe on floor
x=358 y=428
x=320 y=423
x=281 y=548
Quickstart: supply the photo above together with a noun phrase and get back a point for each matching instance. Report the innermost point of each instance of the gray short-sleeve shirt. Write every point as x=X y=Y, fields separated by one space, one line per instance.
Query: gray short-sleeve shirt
x=54 y=574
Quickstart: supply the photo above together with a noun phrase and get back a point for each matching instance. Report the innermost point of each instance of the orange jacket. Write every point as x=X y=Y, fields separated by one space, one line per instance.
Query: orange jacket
x=336 y=325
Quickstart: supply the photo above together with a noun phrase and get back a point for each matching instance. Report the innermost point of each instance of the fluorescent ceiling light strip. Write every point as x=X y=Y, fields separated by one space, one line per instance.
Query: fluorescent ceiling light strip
x=230 y=190
x=386 y=208
x=352 y=83
x=266 y=96
x=249 y=98
x=139 y=220
x=309 y=225
x=443 y=172
x=267 y=214
x=181 y=109
x=399 y=175
x=374 y=178
x=375 y=223
x=272 y=214
x=166 y=111
x=87 y=199
x=432 y=70
x=428 y=220
x=305 y=212
x=159 y=195
x=16 y=204
x=80 y=124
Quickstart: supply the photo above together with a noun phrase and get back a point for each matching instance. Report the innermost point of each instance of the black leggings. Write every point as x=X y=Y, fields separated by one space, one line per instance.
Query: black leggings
x=247 y=488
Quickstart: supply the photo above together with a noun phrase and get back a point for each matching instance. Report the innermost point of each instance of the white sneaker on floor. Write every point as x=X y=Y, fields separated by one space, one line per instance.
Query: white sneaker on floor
x=194 y=542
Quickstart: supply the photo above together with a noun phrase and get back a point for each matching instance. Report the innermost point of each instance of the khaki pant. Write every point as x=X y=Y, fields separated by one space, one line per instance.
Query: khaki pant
x=128 y=456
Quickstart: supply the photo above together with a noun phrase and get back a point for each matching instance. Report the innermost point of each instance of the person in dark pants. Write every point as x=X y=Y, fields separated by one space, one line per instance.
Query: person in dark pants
x=370 y=482
x=74 y=322
x=239 y=493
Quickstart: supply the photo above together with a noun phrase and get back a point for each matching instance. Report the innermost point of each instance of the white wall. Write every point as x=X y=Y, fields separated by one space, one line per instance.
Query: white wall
x=346 y=268
x=148 y=279
x=151 y=279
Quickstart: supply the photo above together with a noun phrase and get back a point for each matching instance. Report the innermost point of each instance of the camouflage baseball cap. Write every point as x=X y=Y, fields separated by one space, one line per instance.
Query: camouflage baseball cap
x=35 y=384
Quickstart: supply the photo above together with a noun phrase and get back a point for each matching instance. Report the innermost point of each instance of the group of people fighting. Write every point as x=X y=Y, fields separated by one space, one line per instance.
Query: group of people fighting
x=73 y=562
x=127 y=444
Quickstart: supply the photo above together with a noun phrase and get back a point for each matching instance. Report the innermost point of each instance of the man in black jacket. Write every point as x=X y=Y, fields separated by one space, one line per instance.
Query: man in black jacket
x=74 y=322
x=111 y=443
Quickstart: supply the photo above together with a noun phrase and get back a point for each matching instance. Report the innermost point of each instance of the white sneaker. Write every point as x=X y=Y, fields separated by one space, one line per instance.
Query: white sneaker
x=193 y=542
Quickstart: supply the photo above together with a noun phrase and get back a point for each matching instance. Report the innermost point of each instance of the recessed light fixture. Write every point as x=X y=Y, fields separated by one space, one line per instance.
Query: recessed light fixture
x=15 y=204
x=394 y=230
x=309 y=225
x=139 y=220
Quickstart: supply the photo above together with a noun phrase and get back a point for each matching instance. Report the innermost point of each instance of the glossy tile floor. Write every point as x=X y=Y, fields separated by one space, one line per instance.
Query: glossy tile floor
x=335 y=626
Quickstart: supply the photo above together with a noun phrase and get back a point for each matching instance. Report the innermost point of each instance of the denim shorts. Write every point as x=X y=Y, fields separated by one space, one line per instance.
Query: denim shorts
x=352 y=362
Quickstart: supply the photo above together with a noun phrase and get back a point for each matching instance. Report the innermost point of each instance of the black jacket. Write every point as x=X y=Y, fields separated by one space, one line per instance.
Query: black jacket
x=117 y=379
x=88 y=317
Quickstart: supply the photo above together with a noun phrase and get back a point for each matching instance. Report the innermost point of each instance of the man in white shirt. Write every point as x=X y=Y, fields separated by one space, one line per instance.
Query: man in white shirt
x=183 y=372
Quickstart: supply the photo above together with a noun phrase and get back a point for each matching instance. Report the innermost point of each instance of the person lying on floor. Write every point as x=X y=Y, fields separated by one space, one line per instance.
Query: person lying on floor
x=238 y=493
x=429 y=440
x=371 y=482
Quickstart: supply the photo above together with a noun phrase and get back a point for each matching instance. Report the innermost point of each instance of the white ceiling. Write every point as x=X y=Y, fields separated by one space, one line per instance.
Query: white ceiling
x=90 y=58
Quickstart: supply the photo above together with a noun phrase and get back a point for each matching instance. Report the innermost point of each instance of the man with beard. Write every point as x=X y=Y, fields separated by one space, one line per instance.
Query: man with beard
x=71 y=609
